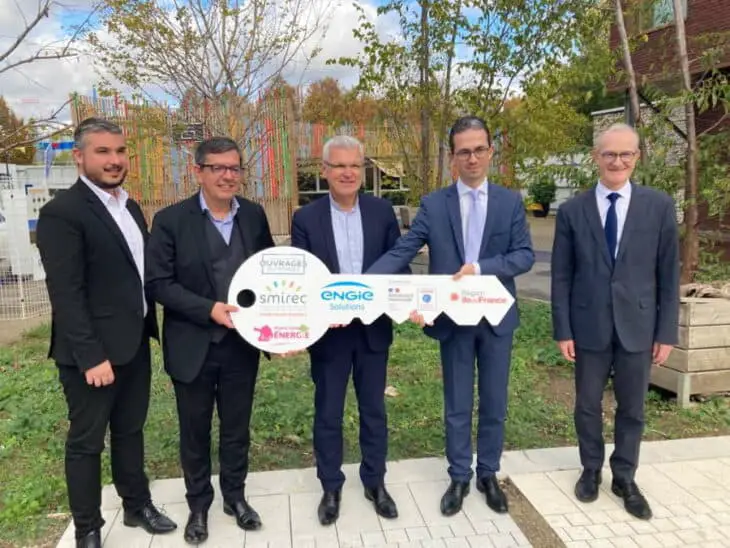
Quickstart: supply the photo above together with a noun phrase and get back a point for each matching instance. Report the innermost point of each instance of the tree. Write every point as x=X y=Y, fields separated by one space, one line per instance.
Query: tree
x=324 y=103
x=218 y=48
x=16 y=134
x=15 y=137
x=691 y=251
x=15 y=56
x=477 y=53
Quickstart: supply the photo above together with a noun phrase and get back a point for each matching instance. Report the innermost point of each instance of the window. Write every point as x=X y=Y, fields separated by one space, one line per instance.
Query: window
x=658 y=13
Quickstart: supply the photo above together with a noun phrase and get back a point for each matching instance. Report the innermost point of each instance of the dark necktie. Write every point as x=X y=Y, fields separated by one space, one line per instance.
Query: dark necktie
x=611 y=226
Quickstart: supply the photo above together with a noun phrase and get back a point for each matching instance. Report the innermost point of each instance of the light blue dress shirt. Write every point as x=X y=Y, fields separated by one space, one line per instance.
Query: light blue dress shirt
x=225 y=225
x=347 y=228
x=465 y=205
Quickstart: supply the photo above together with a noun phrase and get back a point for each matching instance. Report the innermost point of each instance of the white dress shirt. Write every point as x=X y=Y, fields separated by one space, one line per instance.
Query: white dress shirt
x=622 y=206
x=465 y=205
x=116 y=205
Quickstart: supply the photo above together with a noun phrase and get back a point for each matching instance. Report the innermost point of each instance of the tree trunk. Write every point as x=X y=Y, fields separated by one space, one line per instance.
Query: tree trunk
x=691 y=244
x=631 y=73
x=426 y=102
x=445 y=110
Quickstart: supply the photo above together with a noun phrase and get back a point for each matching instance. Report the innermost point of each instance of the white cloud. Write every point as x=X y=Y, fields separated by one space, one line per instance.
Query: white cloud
x=39 y=88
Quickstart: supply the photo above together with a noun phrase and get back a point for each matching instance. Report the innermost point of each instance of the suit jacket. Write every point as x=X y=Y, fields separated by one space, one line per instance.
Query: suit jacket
x=506 y=249
x=179 y=276
x=312 y=230
x=93 y=282
x=639 y=296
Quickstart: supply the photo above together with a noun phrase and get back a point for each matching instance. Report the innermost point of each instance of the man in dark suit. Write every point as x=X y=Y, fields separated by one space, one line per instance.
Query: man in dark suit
x=472 y=227
x=348 y=231
x=91 y=239
x=195 y=248
x=615 y=304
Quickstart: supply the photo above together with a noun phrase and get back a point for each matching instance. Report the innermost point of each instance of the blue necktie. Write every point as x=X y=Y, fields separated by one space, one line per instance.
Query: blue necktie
x=611 y=226
x=474 y=229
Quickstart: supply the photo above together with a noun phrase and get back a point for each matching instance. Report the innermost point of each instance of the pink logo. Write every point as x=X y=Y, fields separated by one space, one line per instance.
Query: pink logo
x=265 y=333
x=268 y=333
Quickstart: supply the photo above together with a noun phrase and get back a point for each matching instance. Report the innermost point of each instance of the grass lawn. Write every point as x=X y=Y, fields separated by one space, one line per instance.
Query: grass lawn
x=33 y=420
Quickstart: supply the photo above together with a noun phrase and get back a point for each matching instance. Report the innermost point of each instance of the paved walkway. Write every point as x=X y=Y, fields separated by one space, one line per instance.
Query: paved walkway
x=687 y=483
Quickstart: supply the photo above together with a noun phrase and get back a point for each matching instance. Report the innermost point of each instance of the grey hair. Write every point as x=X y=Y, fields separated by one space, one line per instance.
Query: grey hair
x=341 y=141
x=94 y=125
x=616 y=128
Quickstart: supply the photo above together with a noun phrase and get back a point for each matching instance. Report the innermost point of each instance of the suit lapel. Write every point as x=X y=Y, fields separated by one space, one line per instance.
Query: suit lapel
x=200 y=236
x=590 y=209
x=100 y=210
x=454 y=210
x=492 y=212
x=636 y=207
x=245 y=233
x=368 y=254
x=325 y=219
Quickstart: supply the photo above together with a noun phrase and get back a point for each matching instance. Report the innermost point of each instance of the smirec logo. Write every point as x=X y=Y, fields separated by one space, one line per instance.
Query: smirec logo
x=347 y=292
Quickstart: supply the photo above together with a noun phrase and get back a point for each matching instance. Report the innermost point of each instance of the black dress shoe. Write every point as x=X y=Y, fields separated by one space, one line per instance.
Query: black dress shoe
x=586 y=488
x=383 y=502
x=634 y=501
x=150 y=519
x=329 y=507
x=454 y=497
x=246 y=517
x=196 y=530
x=91 y=540
x=496 y=499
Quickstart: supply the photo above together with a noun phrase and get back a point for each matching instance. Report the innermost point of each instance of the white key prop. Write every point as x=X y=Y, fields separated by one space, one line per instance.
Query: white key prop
x=288 y=299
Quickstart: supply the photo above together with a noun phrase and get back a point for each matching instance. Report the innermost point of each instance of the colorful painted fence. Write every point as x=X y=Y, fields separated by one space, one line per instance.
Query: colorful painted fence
x=162 y=144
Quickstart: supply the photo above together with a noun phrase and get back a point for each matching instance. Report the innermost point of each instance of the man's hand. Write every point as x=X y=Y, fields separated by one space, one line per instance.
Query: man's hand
x=290 y=353
x=417 y=318
x=567 y=348
x=336 y=325
x=466 y=270
x=100 y=375
x=661 y=353
x=221 y=314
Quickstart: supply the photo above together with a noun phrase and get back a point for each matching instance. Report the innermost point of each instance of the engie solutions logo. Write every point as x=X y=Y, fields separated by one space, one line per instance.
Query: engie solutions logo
x=347 y=295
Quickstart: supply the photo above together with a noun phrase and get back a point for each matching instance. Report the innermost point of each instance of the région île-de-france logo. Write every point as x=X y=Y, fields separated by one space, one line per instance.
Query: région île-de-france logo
x=293 y=263
x=268 y=333
x=476 y=297
x=282 y=297
x=347 y=295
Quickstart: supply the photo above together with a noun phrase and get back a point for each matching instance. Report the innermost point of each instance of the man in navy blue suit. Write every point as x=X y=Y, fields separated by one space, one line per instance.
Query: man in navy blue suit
x=472 y=227
x=348 y=231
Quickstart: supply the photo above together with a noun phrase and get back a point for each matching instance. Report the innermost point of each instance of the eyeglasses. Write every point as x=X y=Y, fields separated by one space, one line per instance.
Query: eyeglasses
x=479 y=153
x=220 y=170
x=625 y=156
x=344 y=166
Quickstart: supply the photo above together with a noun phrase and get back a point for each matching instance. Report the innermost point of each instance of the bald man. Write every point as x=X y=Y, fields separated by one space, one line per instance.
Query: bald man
x=615 y=304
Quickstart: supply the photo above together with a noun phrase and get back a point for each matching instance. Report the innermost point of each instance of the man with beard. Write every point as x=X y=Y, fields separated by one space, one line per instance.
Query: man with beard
x=195 y=248
x=615 y=305
x=91 y=240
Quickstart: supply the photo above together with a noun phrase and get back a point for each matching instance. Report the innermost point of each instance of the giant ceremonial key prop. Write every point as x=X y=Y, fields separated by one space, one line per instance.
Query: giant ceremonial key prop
x=287 y=299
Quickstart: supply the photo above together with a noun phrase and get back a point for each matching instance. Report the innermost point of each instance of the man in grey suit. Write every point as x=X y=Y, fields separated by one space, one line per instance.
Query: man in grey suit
x=615 y=304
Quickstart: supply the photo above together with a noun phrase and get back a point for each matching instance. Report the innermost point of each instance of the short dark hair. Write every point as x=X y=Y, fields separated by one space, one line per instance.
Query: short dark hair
x=466 y=123
x=94 y=125
x=216 y=145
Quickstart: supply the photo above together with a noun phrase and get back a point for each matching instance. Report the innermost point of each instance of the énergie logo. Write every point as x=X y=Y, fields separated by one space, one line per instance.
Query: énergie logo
x=347 y=295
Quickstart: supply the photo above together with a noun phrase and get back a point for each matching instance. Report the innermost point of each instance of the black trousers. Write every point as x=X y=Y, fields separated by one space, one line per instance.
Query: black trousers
x=331 y=374
x=123 y=406
x=630 y=385
x=227 y=380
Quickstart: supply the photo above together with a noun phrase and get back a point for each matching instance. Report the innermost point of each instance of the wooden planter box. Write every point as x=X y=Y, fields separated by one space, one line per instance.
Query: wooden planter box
x=700 y=363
